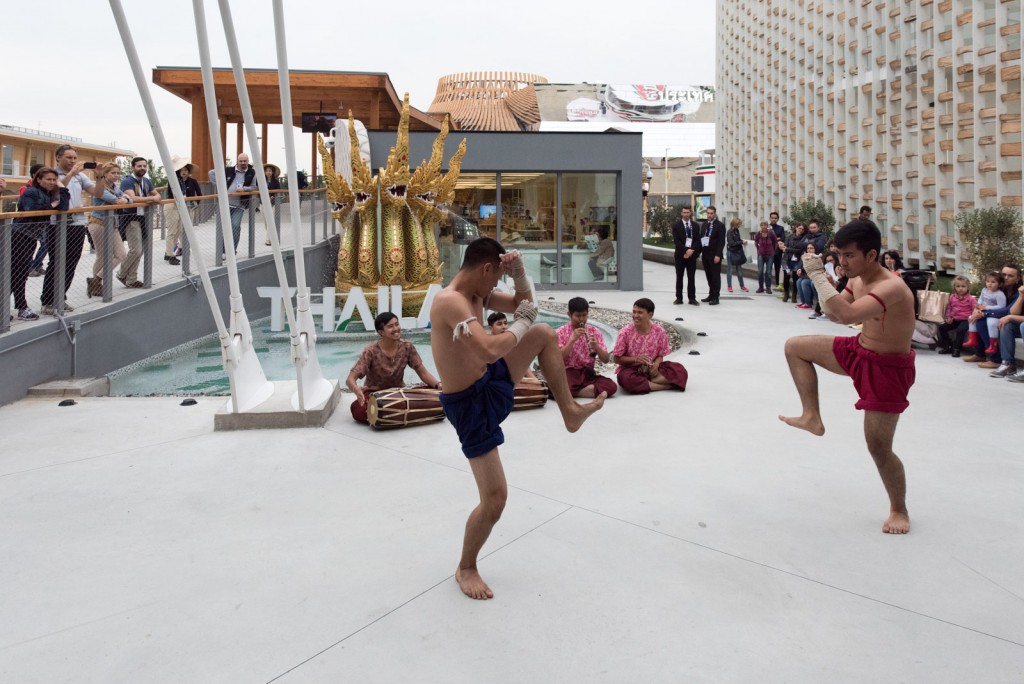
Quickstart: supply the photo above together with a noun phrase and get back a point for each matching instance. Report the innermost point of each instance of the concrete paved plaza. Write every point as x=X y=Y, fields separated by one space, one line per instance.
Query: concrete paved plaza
x=678 y=537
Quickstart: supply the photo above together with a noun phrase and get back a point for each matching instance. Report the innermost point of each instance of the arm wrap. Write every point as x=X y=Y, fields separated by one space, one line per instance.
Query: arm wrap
x=518 y=328
x=816 y=272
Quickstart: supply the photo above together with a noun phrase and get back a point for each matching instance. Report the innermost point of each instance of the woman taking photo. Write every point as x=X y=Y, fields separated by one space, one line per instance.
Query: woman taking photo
x=108 y=178
x=45 y=193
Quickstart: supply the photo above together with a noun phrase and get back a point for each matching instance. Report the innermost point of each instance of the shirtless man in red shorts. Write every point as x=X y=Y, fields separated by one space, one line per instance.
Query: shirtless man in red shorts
x=879 y=359
x=477 y=372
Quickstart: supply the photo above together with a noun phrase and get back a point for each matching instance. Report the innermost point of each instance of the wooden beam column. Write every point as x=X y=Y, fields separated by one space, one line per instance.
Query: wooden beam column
x=263 y=143
x=239 y=138
x=202 y=152
x=223 y=138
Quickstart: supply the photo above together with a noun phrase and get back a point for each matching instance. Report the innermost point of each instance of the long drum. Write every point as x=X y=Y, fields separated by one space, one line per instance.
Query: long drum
x=530 y=393
x=403 y=407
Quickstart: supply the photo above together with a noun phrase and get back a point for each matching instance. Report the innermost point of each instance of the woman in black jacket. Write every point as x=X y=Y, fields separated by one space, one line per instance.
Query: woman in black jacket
x=45 y=193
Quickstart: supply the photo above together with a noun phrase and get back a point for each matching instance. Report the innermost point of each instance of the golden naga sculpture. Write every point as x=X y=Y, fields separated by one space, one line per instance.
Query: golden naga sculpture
x=409 y=204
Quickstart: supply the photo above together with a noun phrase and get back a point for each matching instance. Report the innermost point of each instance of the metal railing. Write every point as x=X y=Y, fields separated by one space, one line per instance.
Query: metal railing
x=157 y=238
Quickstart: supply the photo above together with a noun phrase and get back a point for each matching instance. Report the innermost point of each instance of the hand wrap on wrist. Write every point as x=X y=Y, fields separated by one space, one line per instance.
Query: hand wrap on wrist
x=517 y=271
x=524 y=316
x=815 y=270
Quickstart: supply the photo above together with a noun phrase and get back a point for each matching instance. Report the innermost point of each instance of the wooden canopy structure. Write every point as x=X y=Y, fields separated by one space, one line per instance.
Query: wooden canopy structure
x=489 y=101
x=370 y=96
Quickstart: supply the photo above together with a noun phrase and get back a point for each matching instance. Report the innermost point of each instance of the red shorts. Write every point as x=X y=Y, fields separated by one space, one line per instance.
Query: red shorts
x=881 y=380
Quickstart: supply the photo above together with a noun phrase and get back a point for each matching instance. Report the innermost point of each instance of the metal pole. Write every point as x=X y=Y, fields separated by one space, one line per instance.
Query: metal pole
x=6 y=226
x=109 y=235
x=667 y=176
x=62 y=259
x=147 y=246
x=165 y=156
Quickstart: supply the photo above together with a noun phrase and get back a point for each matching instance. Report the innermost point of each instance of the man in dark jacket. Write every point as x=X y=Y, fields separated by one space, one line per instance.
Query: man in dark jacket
x=239 y=178
x=712 y=245
x=685 y=233
x=816 y=237
x=780 y=236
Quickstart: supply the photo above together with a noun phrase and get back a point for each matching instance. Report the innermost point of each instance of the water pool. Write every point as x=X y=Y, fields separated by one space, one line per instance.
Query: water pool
x=195 y=368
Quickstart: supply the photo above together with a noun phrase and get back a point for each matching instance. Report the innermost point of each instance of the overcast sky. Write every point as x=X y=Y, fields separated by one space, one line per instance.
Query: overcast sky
x=73 y=77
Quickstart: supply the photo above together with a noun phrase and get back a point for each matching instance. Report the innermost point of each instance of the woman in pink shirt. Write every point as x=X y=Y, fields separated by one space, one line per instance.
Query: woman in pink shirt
x=383 y=364
x=640 y=352
x=961 y=304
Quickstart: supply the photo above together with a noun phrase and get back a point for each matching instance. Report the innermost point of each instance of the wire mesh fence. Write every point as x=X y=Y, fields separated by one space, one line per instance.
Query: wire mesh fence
x=56 y=263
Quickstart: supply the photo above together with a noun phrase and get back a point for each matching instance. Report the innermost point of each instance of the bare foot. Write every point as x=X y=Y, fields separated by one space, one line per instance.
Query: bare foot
x=897 y=523
x=472 y=584
x=812 y=424
x=575 y=417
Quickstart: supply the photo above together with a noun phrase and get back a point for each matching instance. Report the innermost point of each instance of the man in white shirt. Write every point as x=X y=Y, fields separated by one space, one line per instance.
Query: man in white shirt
x=69 y=173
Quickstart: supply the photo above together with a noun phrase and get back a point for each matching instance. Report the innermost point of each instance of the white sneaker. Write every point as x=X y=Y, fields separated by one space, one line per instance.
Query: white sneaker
x=27 y=314
x=1003 y=370
x=1017 y=377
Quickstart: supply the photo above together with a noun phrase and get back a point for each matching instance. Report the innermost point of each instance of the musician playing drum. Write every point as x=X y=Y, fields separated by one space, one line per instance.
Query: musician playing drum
x=383 y=364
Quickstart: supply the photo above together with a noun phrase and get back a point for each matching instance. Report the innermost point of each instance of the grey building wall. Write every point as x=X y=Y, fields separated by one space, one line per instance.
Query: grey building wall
x=610 y=152
x=129 y=330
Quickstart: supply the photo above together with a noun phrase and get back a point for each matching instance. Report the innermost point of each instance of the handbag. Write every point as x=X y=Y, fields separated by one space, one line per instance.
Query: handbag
x=932 y=305
x=737 y=257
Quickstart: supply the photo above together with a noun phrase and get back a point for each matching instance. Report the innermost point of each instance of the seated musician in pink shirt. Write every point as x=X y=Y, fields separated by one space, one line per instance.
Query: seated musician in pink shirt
x=581 y=345
x=640 y=352
x=383 y=364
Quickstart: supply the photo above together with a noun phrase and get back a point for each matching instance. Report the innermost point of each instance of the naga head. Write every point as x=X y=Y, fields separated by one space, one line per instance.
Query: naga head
x=446 y=184
x=395 y=177
x=423 y=186
x=364 y=183
x=338 y=191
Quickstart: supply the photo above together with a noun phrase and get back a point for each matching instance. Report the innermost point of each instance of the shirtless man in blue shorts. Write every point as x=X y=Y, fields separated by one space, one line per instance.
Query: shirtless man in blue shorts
x=476 y=372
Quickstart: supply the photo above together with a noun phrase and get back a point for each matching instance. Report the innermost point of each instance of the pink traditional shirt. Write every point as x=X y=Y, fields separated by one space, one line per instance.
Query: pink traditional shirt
x=579 y=355
x=632 y=343
x=382 y=371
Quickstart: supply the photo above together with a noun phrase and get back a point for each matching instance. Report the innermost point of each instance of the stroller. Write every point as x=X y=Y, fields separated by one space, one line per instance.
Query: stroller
x=926 y=334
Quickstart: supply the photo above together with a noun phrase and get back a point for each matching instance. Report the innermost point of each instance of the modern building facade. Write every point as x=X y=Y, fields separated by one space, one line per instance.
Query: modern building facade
x=910 y=106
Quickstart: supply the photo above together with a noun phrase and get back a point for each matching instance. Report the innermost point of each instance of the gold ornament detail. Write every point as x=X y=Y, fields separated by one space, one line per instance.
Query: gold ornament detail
x=409 y=212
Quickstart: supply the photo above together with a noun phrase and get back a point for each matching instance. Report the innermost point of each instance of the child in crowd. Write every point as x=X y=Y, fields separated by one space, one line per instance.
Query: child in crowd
x=961 y=304
x=497 y=323
x=994 y=297
x=804 y=286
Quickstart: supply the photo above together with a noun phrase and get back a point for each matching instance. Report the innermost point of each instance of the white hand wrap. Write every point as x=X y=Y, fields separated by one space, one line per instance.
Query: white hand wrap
x=524 y=316
x=815 y=270
x=518 y=273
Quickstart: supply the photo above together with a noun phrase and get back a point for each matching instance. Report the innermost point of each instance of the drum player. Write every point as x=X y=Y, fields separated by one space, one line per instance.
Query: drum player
x=383 y=364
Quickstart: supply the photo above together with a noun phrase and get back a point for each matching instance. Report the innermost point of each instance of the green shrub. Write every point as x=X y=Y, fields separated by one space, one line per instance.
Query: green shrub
x=990 y=238
x=660 y=220
x=812 y=210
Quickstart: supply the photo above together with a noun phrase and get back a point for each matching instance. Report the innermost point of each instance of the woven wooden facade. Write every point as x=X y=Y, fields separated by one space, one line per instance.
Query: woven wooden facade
x=910 y=106
x=488 y=101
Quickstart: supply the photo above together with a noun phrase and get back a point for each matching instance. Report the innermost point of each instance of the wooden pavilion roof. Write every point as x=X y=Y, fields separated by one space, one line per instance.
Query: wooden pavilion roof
x=370 y=96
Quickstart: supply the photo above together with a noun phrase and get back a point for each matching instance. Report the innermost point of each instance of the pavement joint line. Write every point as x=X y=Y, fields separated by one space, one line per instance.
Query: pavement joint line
x=804 y=577
x=422 y=593
x=80 y=624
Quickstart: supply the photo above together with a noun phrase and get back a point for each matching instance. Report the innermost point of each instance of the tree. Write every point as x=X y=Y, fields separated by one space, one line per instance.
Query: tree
x=990 y=238
x=660 y=220
x=156 y=173
x=812 y=210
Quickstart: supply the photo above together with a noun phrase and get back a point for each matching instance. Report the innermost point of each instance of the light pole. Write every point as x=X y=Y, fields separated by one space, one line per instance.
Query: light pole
x=666 y=175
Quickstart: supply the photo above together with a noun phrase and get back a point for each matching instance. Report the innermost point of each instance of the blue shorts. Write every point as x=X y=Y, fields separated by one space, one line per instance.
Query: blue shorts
x=477 y=411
